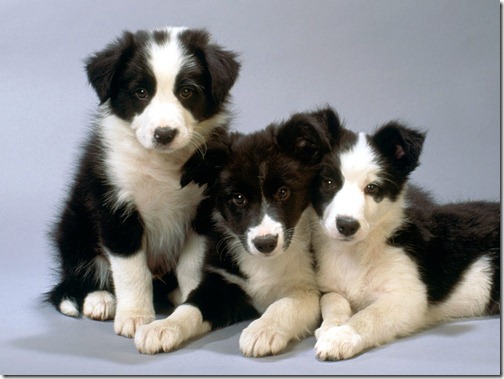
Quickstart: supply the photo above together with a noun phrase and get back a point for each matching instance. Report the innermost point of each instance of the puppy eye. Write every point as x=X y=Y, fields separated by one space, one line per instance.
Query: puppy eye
x=371 y=189
x=142 y=94
x=186 y=92
x=328 y=184
x=283 y=193
x=239 y=199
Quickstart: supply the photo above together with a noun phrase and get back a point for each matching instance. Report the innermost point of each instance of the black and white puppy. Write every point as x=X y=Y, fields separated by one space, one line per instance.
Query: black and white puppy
x=390 y=261
x=161 y=93
x=255 y=226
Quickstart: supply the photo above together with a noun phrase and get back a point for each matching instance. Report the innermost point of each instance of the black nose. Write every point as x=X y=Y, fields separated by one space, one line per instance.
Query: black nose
x=347 y=226
x=265 y=244
x=164 y=135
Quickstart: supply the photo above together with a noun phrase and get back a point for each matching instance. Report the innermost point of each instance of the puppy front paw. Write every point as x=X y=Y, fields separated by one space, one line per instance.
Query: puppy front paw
x=159 y=336
x=258 y=340
x=126 y=323
x=339 y=342
x=99 y=305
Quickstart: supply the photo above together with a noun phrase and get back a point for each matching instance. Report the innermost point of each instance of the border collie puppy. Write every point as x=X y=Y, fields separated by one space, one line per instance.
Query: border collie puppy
x=255 y=226
x=390 y=260
x=161 y=93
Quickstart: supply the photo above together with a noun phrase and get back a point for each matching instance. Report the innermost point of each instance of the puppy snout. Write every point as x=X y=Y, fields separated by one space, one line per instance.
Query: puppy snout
x=164 y=135
x=347 y=226
x=265 y=244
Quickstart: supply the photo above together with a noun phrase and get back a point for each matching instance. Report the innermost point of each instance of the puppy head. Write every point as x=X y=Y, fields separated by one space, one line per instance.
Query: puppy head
x=168 y=85
x=360 y=184
x=260 y=182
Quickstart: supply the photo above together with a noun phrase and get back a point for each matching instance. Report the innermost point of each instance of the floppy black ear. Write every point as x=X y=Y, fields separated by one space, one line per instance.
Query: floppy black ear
x=221 y=64
x=205 y=164
x=401 y=146
x=309 y=136
x=102 y=66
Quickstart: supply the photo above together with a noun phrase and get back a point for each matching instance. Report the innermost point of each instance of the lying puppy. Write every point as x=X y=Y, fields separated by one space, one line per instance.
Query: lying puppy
x=255 y=227
x=390 y=261
x=162 y=93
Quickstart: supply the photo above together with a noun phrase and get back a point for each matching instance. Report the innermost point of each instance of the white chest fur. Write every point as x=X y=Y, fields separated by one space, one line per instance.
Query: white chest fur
x=364 y=271
x=272 y=278
x=150 y=182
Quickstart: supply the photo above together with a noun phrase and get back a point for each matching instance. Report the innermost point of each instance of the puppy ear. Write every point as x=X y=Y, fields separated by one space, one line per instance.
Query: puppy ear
x=309 y=136
x=102 y=66
x=223 y=68
x=401 y=146
x=205 y=164
x=222 y=65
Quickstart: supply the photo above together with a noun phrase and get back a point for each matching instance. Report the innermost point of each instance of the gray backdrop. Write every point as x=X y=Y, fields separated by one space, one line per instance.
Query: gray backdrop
x=434 y=64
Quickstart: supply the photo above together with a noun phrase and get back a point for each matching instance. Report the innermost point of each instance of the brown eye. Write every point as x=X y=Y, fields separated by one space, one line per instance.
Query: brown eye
x=239 y=199
x=142 y=94
x=283 y=193
x=328 y=184
x=371 y=189
x=186 y=92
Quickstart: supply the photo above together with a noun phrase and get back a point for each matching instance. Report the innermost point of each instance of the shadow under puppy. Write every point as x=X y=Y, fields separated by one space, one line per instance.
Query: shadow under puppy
x=390 y=261
x=255 y=230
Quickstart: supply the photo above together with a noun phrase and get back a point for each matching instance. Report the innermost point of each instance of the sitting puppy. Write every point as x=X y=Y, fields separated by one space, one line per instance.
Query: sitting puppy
x=162 y=93
x=390 y=261
x=255 y=228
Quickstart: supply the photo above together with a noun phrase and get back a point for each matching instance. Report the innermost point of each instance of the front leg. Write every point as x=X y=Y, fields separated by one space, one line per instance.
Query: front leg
x=133 y=290
x=122 y=234
x=184 y=323
x=291 y=317
x=336 y=311
x=388 y=317
x=215 y=303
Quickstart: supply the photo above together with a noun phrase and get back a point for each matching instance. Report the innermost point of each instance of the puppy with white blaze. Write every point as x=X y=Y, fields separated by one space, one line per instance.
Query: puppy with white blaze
x=390 y=260
x=255 y=226
x=161 y=93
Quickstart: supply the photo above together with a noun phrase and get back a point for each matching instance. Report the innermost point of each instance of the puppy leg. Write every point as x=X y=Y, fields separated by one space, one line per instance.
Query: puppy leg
x=336 y=311
x=291 y=317
x=387 y=318
x=184 y=323
x=133 y=289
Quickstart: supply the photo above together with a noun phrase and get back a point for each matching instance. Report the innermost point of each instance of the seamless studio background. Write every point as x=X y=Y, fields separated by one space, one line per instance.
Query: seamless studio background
x=434 y=64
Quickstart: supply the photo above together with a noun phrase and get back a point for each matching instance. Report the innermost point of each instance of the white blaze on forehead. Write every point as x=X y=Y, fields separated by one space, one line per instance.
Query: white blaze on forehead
x=166 y=60
x=360 y=164
x=359 y=167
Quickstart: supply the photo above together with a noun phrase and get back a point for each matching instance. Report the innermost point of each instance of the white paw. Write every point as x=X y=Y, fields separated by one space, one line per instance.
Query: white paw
x=323 y=328
x=258 y=340
x=340 y=342
x=99 y=305
x=69 y=308
x=126 y=323
x=159 y=336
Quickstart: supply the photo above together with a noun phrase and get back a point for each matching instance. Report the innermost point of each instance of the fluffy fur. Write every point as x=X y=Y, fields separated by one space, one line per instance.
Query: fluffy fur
x=161 y=95
x=255 y=226
x=390 y=261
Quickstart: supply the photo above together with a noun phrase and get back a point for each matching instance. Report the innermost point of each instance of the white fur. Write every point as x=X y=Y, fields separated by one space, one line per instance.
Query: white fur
x=373 y=291
x=189 y=267
x=99 y=305
x=133 y=289
x=470 y=297
x=165 y=335
x=69 y=308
